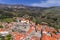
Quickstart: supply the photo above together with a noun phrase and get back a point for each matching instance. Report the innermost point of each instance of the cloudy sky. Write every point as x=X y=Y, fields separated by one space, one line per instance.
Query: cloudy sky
x=39 y=3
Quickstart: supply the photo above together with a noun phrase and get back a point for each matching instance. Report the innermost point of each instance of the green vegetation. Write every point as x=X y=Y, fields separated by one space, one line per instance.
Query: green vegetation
x=49 y=15
x=2 y=37
x=1 y=26
x=7 y=20
x=7 y=37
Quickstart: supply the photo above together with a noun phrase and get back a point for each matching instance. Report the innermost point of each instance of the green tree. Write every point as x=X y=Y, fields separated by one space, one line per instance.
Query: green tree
x=1 y=26
x=9 y=37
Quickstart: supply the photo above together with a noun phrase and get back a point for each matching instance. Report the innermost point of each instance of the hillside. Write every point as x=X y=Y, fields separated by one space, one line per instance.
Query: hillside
x=50 y=15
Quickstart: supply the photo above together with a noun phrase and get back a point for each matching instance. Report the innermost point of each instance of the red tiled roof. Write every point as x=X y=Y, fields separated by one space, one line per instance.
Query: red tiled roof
x=47 y=29
x=38 y=27
x=34 y=38
x=58 y=36
x=52 y=30
x=19 y=36
x=30 y=30
x=53 y=34
x=46 y=37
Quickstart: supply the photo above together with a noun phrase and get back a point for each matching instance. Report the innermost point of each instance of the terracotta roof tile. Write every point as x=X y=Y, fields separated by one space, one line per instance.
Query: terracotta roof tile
x=53 y=35
x=19 y=36
x=58 y=36
x=38 y=27
x=34 y=38
x=30 y=30
x=52 y=30
x=47 y=29
x=45 y=37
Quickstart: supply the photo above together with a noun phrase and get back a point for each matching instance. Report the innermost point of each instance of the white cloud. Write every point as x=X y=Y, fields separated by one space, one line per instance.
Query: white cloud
x=47 y=3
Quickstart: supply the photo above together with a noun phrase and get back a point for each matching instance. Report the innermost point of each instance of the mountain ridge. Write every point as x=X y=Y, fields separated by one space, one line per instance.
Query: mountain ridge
x=50 y=15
